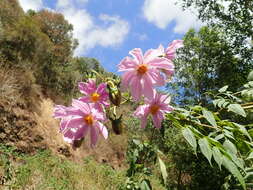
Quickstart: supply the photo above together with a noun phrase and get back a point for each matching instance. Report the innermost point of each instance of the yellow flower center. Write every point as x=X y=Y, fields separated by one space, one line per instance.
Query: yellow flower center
x=142 y=69
x=154 y=109
x=88 y=119
x=95 y=97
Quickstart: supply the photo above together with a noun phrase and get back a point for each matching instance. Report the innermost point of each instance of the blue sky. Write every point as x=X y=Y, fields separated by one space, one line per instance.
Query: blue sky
x=108 y=29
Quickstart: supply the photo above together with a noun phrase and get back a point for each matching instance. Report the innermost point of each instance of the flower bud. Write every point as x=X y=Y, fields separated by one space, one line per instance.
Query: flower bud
x=78 y=143
x=114 y=95
x=117 y=125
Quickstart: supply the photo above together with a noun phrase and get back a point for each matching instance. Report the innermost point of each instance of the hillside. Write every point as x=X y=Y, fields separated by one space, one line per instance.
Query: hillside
x=179 y=117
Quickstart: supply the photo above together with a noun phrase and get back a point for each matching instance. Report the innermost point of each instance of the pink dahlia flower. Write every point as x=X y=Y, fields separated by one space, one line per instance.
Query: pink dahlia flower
x=157 y=107
x=63 y=112
x=93 y=94
x=170 y=52
x=143 y=73
x=78 y=119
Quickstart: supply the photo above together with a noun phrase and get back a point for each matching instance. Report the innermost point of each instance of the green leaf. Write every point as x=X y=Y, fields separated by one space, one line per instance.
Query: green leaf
x=206 y=149
x=228 y=134
x=209 y=117
x=250 y=76
x=219 y=137
x=221 y=102
x=215 y=102
x=189 y=136
x=250 y=156
x=231 y=167
x=230 y=147
x=163 y=170
x=137 y=142
x=243 y=130
x=223 y=89
x=217 y=156
x=237 y=108
x=145 y=185
x=214 y=142
x=249 y=176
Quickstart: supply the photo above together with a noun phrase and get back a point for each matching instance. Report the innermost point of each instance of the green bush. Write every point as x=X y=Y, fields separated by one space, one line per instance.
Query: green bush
x=192 y=172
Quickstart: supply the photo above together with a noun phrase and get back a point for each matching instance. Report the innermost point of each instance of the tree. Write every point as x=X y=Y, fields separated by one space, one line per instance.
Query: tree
x=59 y=32
x=234 y=17
x=207 y=63
x=10 y=11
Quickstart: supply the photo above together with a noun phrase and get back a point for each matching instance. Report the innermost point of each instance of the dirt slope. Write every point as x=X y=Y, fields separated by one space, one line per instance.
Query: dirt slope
x=30 y=131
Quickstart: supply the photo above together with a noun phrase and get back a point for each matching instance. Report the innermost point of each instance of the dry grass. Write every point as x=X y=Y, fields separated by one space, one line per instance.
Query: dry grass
x=9 y=87
x=30 y=92
x=19 y=86
x=111 y=151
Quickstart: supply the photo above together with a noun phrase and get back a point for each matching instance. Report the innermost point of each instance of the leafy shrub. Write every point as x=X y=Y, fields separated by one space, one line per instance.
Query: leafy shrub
x=188 y=170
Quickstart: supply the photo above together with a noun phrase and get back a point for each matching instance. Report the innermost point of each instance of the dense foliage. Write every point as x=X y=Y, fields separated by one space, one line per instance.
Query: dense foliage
x=205 y=143
x=232 y=17
x=201 y=63
x=41 y=43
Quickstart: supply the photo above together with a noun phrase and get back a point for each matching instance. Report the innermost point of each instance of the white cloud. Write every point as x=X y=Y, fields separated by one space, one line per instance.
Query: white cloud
x=63 y=3
x=141 y=37
x=111 y=33
x=82 y=1
x=31 y=4
x=90 y=34
x=163 y=12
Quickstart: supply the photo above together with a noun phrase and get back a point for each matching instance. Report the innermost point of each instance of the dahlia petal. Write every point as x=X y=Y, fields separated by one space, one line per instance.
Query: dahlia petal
x=85 y=99
x=136 y=88
x=68 y=140
x=97 y=112
x=161 y=63
x=157 y=119
x=105 y=103
x=91 y=84
x=68 y=136
x=82 y=87
x=81 y=132
x=98 y=107
x=167 y=108
x=143 y=122
x=171 y=50
x=169 y=73
x=175 y=44
x=137 y=53
x=127 y=77
x=127 y=64
x=161 y=48
x=87 y=88
x=84 y=107
x=156 y=78
x=104 y=96
x=164 y=98
x=142 y=113
x=59 y=111
x=101 y=88
x=93 y=136
x=102 y=129
x=75 y=122
x=148 y=90
x=62 y=111
x=73 y=112
x=63 y=124
x=152 y=53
